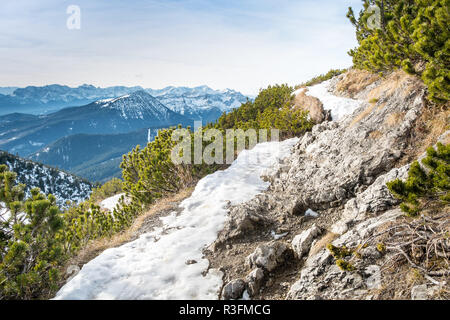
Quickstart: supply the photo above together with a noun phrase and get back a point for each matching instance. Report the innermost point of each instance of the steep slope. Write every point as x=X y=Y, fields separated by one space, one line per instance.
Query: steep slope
x=332 y=189
x=66 y=187
x=94 y=157
x=25 y=134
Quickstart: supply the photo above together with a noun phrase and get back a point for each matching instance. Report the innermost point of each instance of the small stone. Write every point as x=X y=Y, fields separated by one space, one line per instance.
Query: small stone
x=302 y=242
x=255 y=280
x=189 y=262
x=419 y=292
x=234 y=289
x=374 y=277
x=268 y=256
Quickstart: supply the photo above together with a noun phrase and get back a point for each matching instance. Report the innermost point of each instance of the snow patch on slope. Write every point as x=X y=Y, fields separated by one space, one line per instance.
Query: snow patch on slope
x=111 y=203
x=154 y=266
x=339 y=106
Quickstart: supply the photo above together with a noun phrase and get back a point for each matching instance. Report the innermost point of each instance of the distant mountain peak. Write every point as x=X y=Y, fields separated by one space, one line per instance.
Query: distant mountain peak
x=137 y=99
x=137 y=105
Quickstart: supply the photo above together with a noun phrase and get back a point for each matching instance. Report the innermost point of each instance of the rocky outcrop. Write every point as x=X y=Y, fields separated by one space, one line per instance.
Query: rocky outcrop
x=321 y=278
x=313 y=105
x=335 y=162
x=376 y=198
x=338 y=170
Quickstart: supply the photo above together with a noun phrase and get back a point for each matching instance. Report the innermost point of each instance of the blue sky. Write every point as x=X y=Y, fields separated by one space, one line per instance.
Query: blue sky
x=244 y=45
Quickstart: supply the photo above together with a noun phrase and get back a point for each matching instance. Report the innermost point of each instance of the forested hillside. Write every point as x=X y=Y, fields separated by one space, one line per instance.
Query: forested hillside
x=96 y=157
x=64 y=186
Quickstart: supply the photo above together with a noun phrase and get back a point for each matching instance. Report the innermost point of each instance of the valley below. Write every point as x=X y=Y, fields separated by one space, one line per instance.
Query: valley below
x=89 y=140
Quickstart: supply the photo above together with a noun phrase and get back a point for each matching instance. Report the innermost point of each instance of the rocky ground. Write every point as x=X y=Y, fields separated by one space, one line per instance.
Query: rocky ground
x=318 y=232
x=332 y=189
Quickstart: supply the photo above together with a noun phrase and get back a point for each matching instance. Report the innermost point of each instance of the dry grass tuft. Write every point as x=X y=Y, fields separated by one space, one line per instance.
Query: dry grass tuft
x=432 y=123
x=392 y=83
x=354 y=81
x=394 y=119
x=363 y=114
x=417 y=253
x=375 y=134
x=322 y=243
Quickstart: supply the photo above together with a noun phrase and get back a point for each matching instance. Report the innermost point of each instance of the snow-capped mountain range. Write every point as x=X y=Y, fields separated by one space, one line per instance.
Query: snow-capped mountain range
x=45 y=99
x=25 y=134
x=111 y=122
x=200 y=102
x=136 y=106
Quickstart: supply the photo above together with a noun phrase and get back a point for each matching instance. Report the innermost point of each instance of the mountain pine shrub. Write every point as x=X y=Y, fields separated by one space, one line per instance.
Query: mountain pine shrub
x=323 y=77
x=427 y=182
x=36 y=238
x=108 y=189
x=150 y=174
x=30 y=247
x=274 y=97
x=272 y=109
x=413 y=36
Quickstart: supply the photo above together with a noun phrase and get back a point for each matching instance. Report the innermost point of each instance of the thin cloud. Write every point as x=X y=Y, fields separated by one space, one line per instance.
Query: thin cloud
x=244 y=45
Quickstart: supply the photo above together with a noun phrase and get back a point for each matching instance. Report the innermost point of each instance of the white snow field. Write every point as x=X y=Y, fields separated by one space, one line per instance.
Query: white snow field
x=339 y=106
x=154 y=266
x=111 y=203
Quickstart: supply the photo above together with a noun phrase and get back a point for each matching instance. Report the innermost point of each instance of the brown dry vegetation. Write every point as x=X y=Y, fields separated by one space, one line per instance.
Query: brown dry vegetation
x=432 y=123
x=354 y=81
x=393 y=82
x=417 y=253
x=322 y=243
x=394 y=118
x=375 y=134
x=363 y=114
